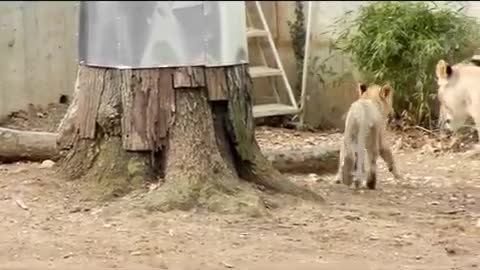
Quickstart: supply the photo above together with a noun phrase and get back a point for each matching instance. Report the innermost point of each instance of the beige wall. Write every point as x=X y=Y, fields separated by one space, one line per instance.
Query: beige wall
x=37 y=52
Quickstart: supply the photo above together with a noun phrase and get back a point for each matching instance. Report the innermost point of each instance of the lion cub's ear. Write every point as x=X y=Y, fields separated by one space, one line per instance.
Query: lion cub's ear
x=362 y=88
x=443 y=70
x=386 y=91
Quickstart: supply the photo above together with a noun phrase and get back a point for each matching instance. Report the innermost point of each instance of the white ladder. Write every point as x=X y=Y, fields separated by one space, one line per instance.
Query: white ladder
x=264 y=70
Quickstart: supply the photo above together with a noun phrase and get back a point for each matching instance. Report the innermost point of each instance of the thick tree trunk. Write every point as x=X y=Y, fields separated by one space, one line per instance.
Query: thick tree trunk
x=196 y=173
x=17 y=145
x=190 y=128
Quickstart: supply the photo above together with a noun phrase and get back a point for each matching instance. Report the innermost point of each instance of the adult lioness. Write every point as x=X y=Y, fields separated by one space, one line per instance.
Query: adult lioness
x=459 y=94
x=365 y=130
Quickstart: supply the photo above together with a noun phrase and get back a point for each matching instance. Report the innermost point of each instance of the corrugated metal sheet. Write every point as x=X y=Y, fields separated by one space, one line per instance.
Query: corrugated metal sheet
x=149 y=34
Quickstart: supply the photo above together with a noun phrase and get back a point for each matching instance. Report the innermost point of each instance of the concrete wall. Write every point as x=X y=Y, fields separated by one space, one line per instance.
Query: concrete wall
x=37 y=52
x=326 y=102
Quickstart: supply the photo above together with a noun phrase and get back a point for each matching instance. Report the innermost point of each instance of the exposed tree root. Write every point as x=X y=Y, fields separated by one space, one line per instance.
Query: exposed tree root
x=252 y=165
x=197 y=193
x=115 y=172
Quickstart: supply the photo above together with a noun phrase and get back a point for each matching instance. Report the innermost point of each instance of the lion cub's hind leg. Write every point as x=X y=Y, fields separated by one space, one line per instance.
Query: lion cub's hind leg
x=348 y=163
x=359 y=165
x=373 y=152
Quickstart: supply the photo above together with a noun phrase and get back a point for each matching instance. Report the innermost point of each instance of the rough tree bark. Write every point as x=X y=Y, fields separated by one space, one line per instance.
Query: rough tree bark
x=191 y=128
x=90 y=136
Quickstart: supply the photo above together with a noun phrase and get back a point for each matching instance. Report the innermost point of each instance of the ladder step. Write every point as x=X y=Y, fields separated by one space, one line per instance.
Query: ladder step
x=252 y=32
x=263 y=71
x=265 y=110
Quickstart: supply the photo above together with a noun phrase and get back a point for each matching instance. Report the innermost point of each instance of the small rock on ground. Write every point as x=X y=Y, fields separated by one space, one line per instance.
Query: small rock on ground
x=46 y=164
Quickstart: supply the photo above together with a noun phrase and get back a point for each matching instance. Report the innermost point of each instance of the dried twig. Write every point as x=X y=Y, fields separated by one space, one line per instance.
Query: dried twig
x=21 y=204
x=431 y=132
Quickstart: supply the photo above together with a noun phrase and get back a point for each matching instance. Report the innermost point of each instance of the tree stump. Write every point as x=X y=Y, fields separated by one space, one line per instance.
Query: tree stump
x=190 y=128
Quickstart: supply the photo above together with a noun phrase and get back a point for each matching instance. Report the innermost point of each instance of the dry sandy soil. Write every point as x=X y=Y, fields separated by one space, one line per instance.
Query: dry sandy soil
x=429 y=221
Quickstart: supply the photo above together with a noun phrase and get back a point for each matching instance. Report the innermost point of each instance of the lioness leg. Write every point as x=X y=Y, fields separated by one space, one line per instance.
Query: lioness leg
x=476 y=118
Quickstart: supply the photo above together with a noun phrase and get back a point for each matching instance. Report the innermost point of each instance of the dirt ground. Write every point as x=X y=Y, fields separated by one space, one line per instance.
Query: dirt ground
x=429 y=221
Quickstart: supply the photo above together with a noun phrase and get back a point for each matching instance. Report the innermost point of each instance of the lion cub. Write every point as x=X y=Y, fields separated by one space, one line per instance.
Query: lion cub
x=365 y=126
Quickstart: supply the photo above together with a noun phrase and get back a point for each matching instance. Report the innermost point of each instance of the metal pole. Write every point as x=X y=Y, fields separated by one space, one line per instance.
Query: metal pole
x=305 y=64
